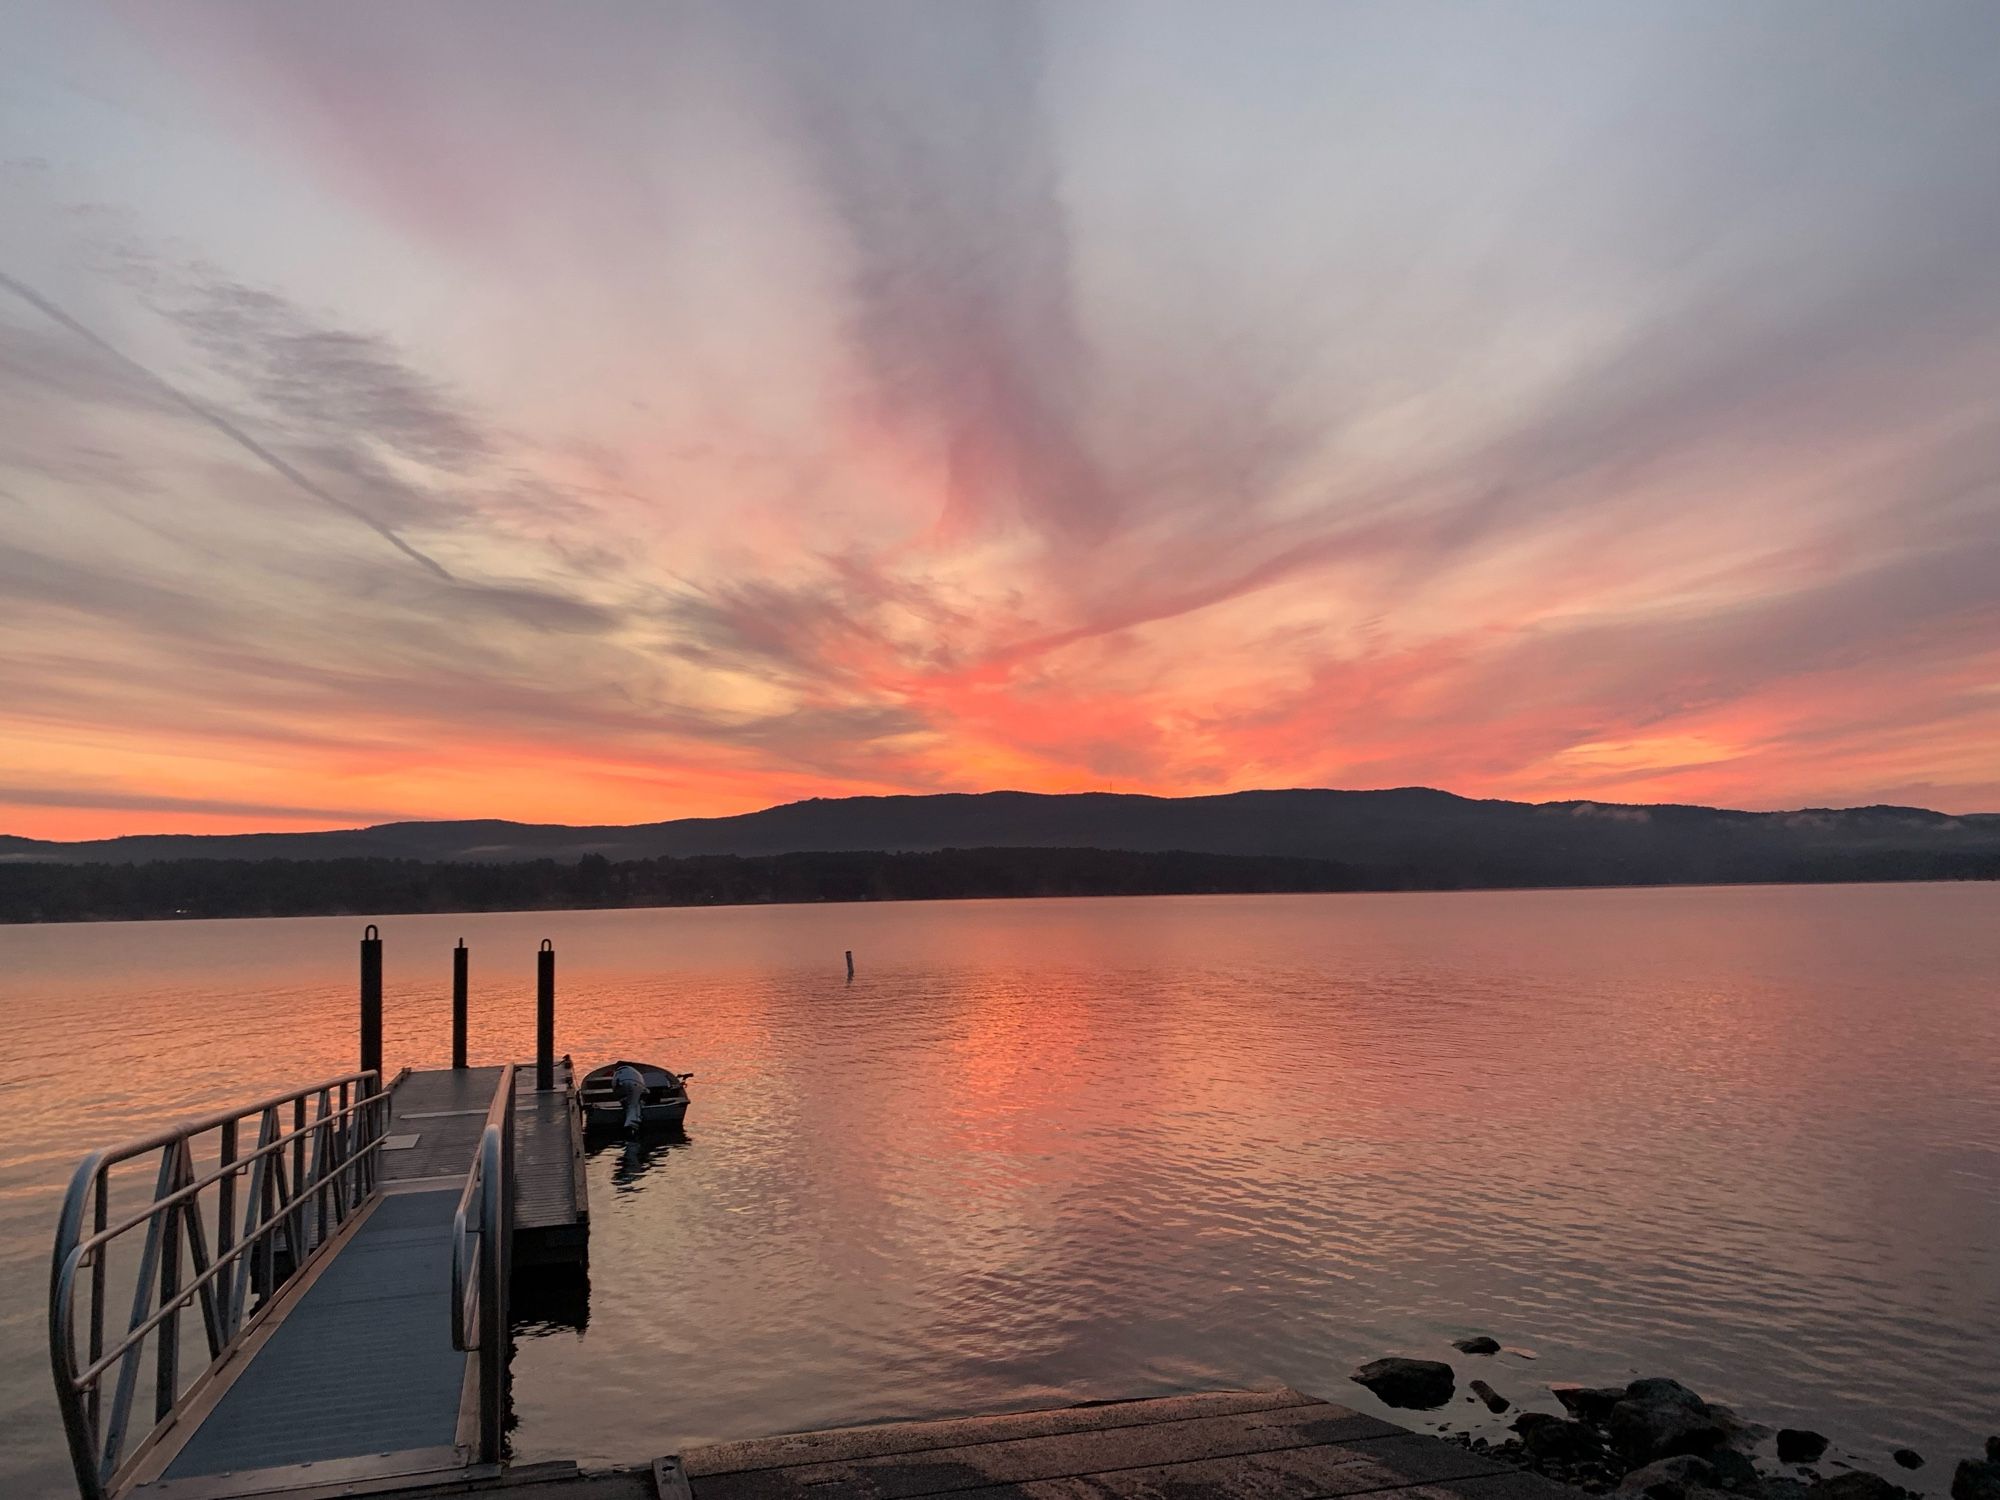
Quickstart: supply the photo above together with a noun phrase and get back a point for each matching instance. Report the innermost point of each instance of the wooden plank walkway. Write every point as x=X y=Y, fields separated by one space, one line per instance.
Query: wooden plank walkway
x=1275 y=1445
x=551 y=1206
x=1228 y=1445
x=355 y=1373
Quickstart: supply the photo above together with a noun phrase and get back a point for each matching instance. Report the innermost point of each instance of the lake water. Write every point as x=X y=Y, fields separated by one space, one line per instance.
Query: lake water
x=1047 y=1151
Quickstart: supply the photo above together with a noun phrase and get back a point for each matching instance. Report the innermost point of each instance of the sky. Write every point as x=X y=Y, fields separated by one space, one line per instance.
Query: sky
x=610 y=413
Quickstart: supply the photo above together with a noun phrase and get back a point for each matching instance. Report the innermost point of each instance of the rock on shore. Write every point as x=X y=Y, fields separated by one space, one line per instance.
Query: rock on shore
x=1669 y=1478
x=1799 y=1445
x=1662 y=1418
x=1418 y=1384
x=1656 y=1439
x=1856 y=1486
x=1588 y=1403
x=1977 y=1479
x=1557 y=1438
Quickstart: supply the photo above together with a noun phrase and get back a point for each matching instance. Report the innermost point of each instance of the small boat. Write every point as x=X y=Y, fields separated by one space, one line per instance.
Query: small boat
x=665 y=1101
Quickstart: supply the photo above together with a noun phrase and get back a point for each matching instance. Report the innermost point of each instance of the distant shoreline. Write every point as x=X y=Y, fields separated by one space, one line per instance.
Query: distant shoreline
x=205 y=889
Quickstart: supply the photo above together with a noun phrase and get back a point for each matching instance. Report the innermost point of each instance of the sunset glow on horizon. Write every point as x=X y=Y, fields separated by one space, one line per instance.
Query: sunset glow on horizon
x=618 y=413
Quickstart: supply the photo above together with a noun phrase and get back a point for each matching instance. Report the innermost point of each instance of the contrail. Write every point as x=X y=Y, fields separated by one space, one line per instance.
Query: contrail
x=224 y=426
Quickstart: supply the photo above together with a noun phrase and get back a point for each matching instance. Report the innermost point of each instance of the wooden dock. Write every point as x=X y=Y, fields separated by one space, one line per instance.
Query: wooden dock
x=1229 y=1445
x=353 y=1373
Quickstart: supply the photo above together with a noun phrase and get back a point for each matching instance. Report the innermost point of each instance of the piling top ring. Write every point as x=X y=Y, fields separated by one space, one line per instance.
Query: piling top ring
x=547 y=946
x=371 y=934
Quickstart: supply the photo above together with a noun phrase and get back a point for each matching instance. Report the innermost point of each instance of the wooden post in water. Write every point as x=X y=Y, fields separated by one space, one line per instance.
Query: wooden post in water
x=545 y=1016
x=459 y=959
x=850 y=963
x=371 y=1000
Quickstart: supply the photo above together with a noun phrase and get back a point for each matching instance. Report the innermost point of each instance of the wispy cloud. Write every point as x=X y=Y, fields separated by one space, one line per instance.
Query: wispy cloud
x=221 y=424
x=779 y=401
x=931 y=146
x=68 y=797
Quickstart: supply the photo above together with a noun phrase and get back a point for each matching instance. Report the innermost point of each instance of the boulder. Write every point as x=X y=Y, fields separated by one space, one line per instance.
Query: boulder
x=1735 y=1431
x=1659 y=1418
x=1974 y=1480
x=1493 y=1399
x=1854 y=1486
x=1908 y=1458
x=1559 y=1440
x=1732 y=1470
x=1781 y=1489
x=1418 y=1384
x=1478 y=1344
x=1668 y=1479
x=1993 y=1450
x=1588 y=1403
x=1799 y=1445
x=1659 y=1388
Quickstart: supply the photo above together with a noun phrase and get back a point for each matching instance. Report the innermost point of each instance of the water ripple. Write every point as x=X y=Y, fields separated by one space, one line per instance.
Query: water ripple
x=1053 y=1151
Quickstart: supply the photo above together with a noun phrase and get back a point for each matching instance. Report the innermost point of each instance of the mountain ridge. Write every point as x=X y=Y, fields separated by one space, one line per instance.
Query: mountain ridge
x=1399 y=831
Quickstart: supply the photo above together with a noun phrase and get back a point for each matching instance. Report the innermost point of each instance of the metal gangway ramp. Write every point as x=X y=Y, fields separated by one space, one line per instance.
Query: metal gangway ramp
x=317 y=1284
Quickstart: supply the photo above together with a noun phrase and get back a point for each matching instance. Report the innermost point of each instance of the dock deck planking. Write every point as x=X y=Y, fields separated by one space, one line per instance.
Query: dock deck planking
x=551 y=1209
x=1276 y=1445
x=1226 y=1445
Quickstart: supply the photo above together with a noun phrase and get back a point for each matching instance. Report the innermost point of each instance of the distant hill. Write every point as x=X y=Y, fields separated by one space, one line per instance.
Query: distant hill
x=1406 y=838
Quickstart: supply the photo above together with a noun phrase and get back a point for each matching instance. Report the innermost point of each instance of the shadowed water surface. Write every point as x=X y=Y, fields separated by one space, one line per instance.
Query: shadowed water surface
x=1051 y=1151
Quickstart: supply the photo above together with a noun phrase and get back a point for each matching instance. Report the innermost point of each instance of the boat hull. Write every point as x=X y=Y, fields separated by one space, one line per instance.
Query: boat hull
x=612 y=1116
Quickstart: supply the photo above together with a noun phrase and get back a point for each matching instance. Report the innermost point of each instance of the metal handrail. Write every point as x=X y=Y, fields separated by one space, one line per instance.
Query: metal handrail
x=290 y=1214
x=479 y=1291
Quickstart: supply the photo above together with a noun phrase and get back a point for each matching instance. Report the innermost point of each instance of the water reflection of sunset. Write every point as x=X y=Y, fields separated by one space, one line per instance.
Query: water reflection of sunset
x=1059 y=1150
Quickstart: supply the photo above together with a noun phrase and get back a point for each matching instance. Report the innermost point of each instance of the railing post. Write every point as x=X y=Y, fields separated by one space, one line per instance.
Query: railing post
x=374 y=1122
x=325 y=1163
x=225 y=1228
x=100 y=1215
x=346 y=1191
x=492 y=1315
x=481 y=1264
x=298 y=1227
x=459 y=960
x=371 y=999
x=167 y=1346
x=545 y=1017
x=507 y=1181
x=267 y=1208
x=503 y=1280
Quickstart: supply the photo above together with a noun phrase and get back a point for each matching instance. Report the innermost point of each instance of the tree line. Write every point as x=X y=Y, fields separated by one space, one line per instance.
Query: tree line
x=51 y=892
x=41 y=892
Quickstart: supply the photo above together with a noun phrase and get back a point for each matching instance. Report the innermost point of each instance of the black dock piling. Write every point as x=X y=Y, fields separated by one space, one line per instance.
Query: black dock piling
x=371 y=1000
x=545 y=1017
x=459 y=958
x=850 y=963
